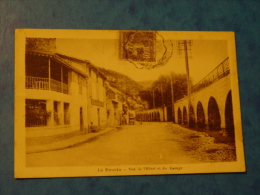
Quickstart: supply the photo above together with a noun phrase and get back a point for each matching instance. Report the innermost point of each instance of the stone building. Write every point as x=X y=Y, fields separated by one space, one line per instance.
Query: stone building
x=114 y=101
x=97 y=97
x=55 y=91
x=67 y=95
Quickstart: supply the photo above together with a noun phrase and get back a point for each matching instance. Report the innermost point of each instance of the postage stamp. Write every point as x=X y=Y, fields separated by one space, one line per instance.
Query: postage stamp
x=137 y=46
x=144 y=49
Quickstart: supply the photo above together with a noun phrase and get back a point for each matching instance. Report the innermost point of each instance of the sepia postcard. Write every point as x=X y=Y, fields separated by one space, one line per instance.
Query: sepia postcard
x=117 y=103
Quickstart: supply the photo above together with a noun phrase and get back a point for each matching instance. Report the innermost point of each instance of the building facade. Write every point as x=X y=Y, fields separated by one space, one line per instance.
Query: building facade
x=97 y=97
x=55 y=94
x=64 y=94
x=115 y=112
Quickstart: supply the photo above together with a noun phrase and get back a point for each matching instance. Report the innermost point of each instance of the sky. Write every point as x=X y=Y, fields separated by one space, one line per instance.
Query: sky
x=205 y=56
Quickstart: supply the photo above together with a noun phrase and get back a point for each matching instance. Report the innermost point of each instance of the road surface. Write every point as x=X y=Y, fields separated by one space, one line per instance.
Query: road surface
x=139 y=144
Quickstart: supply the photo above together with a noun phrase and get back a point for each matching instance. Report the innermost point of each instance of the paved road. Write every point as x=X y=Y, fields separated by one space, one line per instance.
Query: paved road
x=147 y=143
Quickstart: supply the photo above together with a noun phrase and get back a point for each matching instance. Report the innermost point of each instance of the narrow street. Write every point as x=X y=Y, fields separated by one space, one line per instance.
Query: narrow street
x=146 y=143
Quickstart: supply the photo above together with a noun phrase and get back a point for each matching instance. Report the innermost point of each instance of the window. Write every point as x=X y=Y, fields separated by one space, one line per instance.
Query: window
x=66 y=114
x=36 y=114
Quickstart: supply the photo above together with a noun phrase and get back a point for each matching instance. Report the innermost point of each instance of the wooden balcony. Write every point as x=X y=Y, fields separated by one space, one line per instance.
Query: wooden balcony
x=39 y=83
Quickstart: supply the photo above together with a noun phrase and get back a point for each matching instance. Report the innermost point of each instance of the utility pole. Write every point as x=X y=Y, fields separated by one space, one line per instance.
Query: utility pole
x=172 y=94
x=185 y=45
x=162 y=102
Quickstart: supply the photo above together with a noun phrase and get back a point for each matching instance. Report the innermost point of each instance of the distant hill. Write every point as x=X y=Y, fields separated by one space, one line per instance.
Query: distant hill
x=122 y=82
x=146 y=84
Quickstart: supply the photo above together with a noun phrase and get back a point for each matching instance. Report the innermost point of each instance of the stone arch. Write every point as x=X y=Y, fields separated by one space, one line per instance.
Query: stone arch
x=191 y=117
x=158 y=116
x=179 y=116
x=185 y=116
x=229 y=120
x=200 y=116
x=214 y=119
x=169 y=113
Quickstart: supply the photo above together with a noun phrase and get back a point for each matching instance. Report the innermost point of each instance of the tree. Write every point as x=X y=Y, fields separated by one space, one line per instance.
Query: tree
x=161 y=90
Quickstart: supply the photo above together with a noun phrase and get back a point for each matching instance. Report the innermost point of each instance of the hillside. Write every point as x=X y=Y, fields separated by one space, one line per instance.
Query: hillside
x=145 y=84
x=122 y=82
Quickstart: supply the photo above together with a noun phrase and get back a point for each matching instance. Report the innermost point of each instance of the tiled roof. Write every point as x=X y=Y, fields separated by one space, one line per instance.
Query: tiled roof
x=62 y=59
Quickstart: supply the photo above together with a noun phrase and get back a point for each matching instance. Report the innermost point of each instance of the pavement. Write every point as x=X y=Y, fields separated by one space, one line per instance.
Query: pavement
x=70 y=141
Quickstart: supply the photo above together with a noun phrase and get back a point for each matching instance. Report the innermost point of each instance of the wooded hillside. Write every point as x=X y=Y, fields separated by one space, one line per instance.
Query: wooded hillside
x=122 y=82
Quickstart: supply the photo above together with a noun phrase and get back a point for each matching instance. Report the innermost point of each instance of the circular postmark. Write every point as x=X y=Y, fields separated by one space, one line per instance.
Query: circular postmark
x=144 y=49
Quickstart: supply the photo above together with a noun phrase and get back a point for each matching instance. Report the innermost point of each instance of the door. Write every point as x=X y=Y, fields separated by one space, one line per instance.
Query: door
x=81 y=119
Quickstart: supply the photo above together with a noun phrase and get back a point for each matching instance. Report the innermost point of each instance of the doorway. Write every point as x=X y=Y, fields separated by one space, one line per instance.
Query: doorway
x=81 y=118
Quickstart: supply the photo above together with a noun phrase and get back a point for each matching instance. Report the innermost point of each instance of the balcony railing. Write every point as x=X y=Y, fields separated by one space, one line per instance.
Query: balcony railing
x=37 y=83
x=65 y=88
x=43 y=84
x=56 y=85
x=219 y=72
